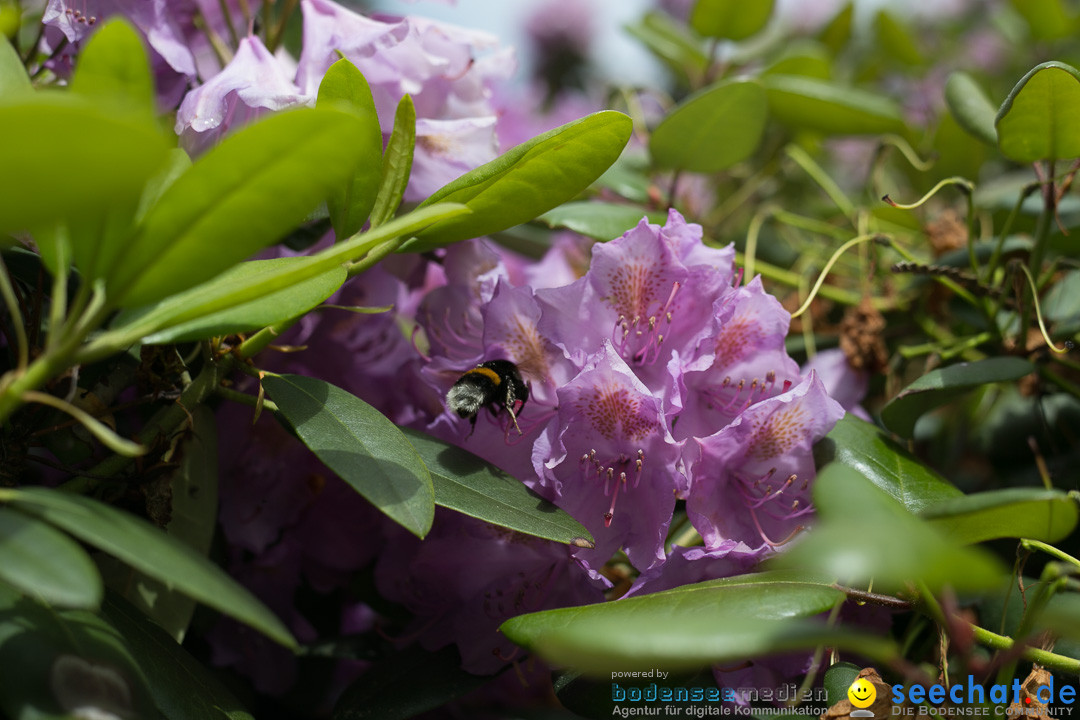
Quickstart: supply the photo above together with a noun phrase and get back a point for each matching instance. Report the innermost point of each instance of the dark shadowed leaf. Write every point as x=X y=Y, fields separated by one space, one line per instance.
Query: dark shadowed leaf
x=469 y=485
x=358 y=443
x=938 y=387
x=180 y=685
x=44 y=563
x=55 y=661
x=407 y=684
x=529 y=179
x=151 y=551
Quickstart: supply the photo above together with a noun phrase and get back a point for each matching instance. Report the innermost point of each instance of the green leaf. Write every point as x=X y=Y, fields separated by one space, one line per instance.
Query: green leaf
x=396 y=163
x=46 y=564
x=600 y=220
x=969 y=105
x=713 y=129
x=837 y=33
x=864 y=536
x=938 y=387
x=863 y=447
x=242 y=195
x=1062 y=301
x=114 y=66
x=469 y=485
x=838 y=679
x=390 y=691
x=269 y=309
x=1037 y=121
x=690 y=626
x=1047 y=19
x=13 y=78
x=529 y=179
x=811 y=104
x=1033 y=513
x=115 y=155
x=131 y=327
x=344 y=88
x=179 y=684
x=806 y=58
x=730 y=19
x=192 y=495
x=896 y=40
x=149 y=550
x=55 y=661
x=358 y=443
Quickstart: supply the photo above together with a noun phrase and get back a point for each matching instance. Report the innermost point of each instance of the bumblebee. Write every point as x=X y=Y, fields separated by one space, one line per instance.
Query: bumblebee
x=494 y=384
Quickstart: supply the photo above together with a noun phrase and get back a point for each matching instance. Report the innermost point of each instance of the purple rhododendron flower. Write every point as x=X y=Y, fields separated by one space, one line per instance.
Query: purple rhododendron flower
x=252 y=84
x=751 y=480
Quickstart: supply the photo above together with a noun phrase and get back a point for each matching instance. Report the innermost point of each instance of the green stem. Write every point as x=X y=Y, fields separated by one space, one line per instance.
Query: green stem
x=1052 y=661
x=22 y=345
x=794 y=280
x=1049 y=550
x=815 y=171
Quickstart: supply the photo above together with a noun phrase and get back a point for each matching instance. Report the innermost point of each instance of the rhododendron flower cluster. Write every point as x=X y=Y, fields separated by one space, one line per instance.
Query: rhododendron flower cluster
x=657 y=378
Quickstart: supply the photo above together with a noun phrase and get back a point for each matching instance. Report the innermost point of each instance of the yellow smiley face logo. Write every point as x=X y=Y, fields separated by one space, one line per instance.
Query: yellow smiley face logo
x=861 y=693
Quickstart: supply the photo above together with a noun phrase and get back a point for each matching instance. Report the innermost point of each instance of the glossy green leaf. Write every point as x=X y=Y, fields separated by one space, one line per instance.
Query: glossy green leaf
x=470 y=485
x=1033 y=513
x=46 y=564
x=838 y=679
x=358 y=443
x=713 y=129
x=730 y=19
x=969 y=105
x=115 y=156
x=895 y=39
x=529 y=179
x=192 y=496
x=242 y=195
x=344 y=88
x=938 y=387
x=214 y=297
x=151 y=551
x=396 y=163
x=180 y=685
x=1047 y=19
x=13 y=78
x=690 y=626
x=864 y=536
x=600 y=220
x=390 y=691
x=114 y=66
x=673 y=44
x=272 y=308
x=809 y=104
x=1037 y=121
x=56 y=661
x=875 y=456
